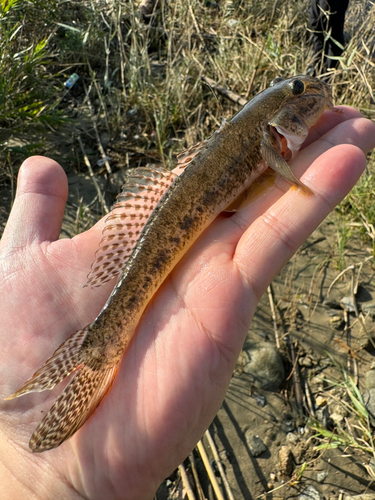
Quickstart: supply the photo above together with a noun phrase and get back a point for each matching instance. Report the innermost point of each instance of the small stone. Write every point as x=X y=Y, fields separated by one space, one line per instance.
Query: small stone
x=265 y=365
x=273 y=477
x=260 y=401
x=336 y=321
x=310 y=493
x=320 y=477
x=256 y=445
x=292 y=438
x=370 y=379
x=338 y=419
x=288 y=426
x=286 y=461
x=320 y=401
x=347 y=303
x=306 y=361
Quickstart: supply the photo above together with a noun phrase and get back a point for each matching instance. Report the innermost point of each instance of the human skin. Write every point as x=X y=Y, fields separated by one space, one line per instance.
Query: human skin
x=175 y=373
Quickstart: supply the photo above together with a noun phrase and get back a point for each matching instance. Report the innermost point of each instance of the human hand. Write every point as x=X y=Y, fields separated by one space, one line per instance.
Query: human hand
x=175 y=373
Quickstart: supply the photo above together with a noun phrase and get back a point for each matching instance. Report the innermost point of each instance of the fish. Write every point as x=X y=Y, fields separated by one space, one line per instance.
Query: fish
x=157 y=217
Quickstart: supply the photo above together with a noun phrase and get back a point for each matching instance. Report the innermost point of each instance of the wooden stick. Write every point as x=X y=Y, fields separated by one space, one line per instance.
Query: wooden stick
x=224 y=91
x=209 y=470
x=196 y=477
x=273 y=313
x=185 y=482
x=219 y=465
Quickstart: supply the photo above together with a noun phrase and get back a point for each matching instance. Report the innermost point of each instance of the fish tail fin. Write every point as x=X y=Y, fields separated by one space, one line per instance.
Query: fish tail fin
x=75 y=405
x=91 y=381
x=63 y=362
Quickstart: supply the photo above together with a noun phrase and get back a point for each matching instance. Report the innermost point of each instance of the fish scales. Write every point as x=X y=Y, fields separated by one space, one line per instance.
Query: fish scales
x=214 y=176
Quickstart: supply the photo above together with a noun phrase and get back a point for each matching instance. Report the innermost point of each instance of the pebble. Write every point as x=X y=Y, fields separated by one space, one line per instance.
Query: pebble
x=337 y=418
x=306 y=361
x=320 y=477
x=292 y=438
x=260 y=401
x=310 y=493
x=320 y=401
x=347 y=304
x=256 y=445
x=286 y=461
x=265 y=365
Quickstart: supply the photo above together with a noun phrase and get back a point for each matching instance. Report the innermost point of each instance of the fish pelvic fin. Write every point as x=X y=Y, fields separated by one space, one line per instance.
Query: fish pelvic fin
x=75 y=405
x=64 y=361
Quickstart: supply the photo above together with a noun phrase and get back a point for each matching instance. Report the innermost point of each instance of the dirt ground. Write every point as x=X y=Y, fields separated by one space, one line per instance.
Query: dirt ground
x=262 y=432
x=315 y=327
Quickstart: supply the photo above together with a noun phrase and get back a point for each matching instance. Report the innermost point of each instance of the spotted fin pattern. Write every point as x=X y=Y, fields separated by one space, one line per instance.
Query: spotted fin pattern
x=63 y=362
x=143 y=190
x=75 y=405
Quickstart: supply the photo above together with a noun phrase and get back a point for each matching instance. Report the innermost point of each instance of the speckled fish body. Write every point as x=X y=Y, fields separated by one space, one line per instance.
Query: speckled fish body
x=163 y=214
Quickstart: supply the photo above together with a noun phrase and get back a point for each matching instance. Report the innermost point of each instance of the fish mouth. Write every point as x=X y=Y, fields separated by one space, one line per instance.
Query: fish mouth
x=281 y=143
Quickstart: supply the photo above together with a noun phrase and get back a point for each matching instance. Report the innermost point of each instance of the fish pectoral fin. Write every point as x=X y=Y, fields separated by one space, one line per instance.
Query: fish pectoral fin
x=143 y=190
x=274 y=160
x=76 y=404
x=242 y=200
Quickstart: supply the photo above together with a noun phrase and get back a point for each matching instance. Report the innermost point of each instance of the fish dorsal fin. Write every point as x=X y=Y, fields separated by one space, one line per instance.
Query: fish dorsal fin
x=143 y=190
x=187 y=155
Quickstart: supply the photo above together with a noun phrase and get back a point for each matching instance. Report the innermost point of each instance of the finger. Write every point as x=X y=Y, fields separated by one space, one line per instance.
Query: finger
x=329 y=120
x=39 y=205
x=274 y=237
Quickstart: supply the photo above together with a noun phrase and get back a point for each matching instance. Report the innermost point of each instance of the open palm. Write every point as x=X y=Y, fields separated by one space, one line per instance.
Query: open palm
x=175 y=373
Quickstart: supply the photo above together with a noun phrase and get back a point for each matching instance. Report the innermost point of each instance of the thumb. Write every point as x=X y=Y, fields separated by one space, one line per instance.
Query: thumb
x=39 y=205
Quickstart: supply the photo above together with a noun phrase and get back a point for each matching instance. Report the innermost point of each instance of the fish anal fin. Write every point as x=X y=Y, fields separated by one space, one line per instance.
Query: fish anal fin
x=60 y=365
x=140 y=195
x=75 y=405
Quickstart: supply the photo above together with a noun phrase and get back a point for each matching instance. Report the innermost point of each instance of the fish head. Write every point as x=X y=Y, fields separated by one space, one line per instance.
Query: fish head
x=302 y=100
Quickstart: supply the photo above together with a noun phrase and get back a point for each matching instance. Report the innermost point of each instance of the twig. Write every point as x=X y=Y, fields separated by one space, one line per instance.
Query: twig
x=185 y=482
x=196 y=477
x=92 y=175
x=219 y=465
x=308 y=399
x=100 y=147
x=296 y=377
x=273 y=313
x=224 y=91
x=352 y=266
x=209 y=470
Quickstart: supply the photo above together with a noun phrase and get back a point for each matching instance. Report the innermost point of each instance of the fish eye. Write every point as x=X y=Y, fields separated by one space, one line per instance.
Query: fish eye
x=276 y=80
x=297 y=87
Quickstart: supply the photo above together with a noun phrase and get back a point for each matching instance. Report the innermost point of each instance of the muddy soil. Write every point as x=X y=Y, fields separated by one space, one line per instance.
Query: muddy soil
x=265 y=438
